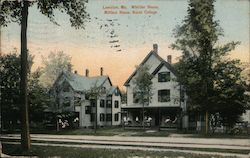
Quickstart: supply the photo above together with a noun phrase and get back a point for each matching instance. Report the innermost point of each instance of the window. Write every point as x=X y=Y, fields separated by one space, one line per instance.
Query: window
x=109 y=104
x=163 y=76
x=116 y=117
x=102 y=102
x=108 y=117
x=92 y=117
x=135 y=98
x=116 y=104
x=102 y=117
x=164 y=95
x=103 y=90
x=87 y=109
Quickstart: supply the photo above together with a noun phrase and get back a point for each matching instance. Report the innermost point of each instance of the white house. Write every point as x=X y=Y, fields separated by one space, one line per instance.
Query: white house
x=74 y=93
x=167 y=107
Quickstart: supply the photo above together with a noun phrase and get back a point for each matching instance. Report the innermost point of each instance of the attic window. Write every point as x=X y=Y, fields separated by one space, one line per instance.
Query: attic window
x=65 y=87
x=103 y=90
x=164 y=77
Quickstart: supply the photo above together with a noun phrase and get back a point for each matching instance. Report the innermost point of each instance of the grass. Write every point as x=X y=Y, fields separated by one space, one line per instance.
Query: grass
x=106 y=132
x=220 y=135
x=112 y=131
x=233 y=151
x=64 y=152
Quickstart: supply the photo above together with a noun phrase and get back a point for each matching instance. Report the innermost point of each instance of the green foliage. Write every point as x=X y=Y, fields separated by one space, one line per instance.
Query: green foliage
x=230 y=98
x=10 y=92
x=212 y=82
x=143 y=85
x=123 y=97
x=10 y=88
x=38 y=97
x=53 y=65
x=10 y=82
x=10 y=11
x=17 y=11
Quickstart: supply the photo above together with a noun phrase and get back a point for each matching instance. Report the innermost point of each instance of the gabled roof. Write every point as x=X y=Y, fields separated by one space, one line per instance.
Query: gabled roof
x=113 y=89
x=163 y=63
x=83 y=83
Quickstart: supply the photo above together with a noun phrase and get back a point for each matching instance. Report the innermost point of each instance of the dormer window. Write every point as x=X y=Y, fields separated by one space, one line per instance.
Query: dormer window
x=164 y=77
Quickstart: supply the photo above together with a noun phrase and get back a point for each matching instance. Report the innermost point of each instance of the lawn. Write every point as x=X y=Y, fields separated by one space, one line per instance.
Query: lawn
x=107 y=132
x=112 y=131
x=72 y=152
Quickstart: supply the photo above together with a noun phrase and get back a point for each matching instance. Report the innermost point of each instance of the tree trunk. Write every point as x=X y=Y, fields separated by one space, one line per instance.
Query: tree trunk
x=96 y=114
x=206 y=121
x=0 y=40
x=25 y=135
x=143 y=115
x=95 y=125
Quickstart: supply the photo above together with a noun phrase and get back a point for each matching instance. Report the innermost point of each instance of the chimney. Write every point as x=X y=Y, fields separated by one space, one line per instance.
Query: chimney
x=101 y=71
x=87 y=73
x=169 y=59
x=75 y=72
x=155 y=48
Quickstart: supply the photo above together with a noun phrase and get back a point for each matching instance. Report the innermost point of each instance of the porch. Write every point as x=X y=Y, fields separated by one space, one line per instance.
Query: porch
x=167 y=118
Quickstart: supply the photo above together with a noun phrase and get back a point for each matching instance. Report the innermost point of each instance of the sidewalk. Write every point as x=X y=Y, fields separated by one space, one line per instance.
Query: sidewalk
x=234 y=144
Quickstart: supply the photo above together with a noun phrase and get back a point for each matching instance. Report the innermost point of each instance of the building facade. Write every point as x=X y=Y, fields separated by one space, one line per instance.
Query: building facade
x=94 y=100
x=167 y=107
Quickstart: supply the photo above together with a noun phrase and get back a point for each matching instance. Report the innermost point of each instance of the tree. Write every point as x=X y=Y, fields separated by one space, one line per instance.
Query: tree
x=197 y=39
x=10 y=92
x=17 y=11
x=143 y=87
x=93 y=94
x=38 y=97
x=230 y=98
x=123 y=97
x=53 y=65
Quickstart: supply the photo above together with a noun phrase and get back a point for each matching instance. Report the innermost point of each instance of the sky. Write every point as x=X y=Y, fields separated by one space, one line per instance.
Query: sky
x=133 y=35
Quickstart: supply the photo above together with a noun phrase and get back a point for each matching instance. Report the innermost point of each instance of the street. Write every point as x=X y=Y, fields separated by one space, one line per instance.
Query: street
x=180 y=144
